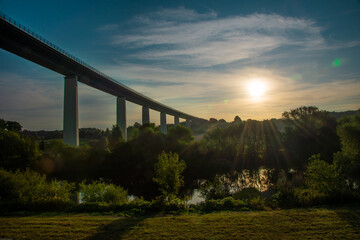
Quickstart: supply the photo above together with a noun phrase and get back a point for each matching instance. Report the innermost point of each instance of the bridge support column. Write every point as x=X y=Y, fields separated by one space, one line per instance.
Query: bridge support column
x=71 y=117
x=176 y=120
x=145 y=115
x=163 y=127
x=121 y=115
x=188 y=123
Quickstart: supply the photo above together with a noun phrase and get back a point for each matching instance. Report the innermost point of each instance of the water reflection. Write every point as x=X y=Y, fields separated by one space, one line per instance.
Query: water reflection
x=237 y=181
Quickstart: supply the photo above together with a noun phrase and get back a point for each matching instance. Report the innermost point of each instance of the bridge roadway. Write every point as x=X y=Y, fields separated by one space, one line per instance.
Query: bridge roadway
x=21 y=41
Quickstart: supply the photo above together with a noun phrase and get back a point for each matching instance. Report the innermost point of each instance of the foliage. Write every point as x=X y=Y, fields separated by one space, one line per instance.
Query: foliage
x=101 y=192
x=180 y=133
x=348 y=159
x=314 y=127
x=29 y=187
x=116 y=136
x=227 y=203
x=323 y=177
x=247 y=193
x=215 y=189
x=10 y=125
x=168 y=176
x=16 y=151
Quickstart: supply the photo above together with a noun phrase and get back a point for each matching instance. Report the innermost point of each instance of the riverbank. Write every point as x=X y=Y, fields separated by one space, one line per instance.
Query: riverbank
x=312 y=223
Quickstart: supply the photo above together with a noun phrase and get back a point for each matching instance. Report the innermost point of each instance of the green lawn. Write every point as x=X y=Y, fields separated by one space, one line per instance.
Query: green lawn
x=284 y=224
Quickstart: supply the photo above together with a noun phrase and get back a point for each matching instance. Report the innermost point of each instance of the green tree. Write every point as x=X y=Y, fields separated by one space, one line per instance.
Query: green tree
x=237 y=119
x=2 y=124
x=323 y=177
x=180 y=133
x=348 y=159
x=13 y=126
x=168 y=176
x=115 y=136
x=17 y=152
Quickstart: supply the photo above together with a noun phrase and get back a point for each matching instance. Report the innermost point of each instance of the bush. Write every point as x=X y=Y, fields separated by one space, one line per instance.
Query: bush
x=247 y=194
x=103 y=193
x=31 y=191
x=215 y=189
x=228 y=203
x=257 y=203
x=30 y=186
x=308 y=197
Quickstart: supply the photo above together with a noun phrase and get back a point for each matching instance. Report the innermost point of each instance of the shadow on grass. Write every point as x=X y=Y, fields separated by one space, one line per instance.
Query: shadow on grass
x=351 y=214
x=117 y=228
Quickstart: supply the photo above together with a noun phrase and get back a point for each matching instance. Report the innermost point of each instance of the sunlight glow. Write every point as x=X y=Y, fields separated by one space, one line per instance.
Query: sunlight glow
x=256 y=88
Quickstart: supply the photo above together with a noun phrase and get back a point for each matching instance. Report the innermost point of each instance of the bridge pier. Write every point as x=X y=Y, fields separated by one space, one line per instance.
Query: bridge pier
x=176 y=120
x=121 y=115
x=71 y=117
x=163 y=127
x=145 y=115
x=188 y=123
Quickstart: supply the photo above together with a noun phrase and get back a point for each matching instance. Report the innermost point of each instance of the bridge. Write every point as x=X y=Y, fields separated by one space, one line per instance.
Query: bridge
x=21 y=41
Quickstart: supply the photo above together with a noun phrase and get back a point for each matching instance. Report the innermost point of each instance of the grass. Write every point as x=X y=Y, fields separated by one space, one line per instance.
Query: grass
x=311 y=223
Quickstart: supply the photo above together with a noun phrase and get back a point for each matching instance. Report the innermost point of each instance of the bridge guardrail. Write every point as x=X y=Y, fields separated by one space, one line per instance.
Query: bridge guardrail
x=50 y=44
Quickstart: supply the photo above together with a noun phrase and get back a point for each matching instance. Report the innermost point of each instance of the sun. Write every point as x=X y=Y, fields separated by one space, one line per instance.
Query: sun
x=256 y=89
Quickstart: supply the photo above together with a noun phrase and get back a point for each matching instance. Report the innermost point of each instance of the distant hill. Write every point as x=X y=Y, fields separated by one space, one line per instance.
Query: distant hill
x=338 y=115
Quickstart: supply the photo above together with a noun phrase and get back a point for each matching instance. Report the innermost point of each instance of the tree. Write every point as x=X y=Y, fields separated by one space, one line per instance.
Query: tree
x=237 y=119
x=168 y=176
x=17 y=152
x=2 y=124
x=115 y=136
x=13 y=126
x=323 y=177
x=348 y=159
x=180 y=133
x=315 y=128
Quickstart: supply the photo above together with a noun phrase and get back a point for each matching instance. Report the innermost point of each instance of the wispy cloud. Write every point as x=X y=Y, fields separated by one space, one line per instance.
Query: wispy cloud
x=191 y=38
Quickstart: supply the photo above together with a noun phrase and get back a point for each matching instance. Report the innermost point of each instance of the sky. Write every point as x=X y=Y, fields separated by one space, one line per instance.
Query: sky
x=254 y=59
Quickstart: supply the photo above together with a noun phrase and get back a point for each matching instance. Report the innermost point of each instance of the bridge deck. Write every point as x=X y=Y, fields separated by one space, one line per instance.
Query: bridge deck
x=21 y=41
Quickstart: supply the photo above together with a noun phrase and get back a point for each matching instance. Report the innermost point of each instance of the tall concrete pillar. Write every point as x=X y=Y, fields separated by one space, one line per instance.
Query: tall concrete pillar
x=163 y=127
x=145 y=115
x=121 y=115
x=176 y=120
x=188 y=123
x=71 y=117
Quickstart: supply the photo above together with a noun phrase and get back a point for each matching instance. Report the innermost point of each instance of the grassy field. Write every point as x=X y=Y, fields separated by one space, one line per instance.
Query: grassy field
x=284 y=224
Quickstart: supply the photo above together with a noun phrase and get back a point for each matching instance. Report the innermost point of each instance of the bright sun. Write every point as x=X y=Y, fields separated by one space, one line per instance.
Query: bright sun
x=256 y=89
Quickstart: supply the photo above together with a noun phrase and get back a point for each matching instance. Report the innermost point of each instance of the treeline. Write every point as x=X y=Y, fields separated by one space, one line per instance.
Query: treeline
x=88 y=133
x=306 y=138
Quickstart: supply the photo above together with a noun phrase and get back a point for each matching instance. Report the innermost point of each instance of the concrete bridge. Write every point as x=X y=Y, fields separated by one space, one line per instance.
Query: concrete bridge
x=21 y=41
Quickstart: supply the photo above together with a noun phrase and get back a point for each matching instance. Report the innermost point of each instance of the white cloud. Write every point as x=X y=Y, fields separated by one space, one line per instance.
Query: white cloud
x=197 y=39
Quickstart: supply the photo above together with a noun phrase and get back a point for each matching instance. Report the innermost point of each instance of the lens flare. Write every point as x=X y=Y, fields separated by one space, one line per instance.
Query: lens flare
x=336 y=63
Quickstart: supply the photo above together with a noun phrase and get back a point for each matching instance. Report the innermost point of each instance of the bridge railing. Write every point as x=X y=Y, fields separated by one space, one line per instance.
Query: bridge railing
x=50 y=44
x=60 y=50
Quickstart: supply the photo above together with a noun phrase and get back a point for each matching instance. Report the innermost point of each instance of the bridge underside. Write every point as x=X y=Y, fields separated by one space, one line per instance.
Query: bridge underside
x=20 y=41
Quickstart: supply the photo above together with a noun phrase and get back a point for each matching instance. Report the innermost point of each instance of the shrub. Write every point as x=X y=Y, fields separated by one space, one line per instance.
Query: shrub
x=103 y=193
x=247 y=194
x=308 y=197
x=31 y=191
x=228 y=203
x=257 y=203
x=215 y=189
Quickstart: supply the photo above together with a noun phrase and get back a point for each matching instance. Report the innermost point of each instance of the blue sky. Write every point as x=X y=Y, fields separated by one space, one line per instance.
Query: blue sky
x=196 y=56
